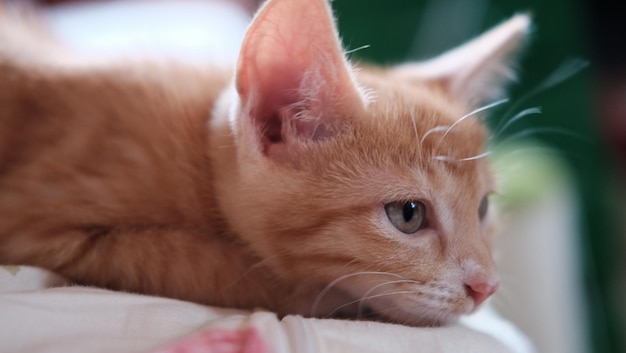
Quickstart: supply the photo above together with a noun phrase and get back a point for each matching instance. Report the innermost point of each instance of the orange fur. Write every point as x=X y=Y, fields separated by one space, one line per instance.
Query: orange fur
x=155 y=178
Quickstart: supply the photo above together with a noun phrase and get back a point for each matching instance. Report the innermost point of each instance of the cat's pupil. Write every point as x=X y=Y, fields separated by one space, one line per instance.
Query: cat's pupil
x=408 y=211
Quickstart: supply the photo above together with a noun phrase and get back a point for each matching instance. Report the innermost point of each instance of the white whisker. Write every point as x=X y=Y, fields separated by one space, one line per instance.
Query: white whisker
x=450 y=159
x=339 y=279
x=482 y=155
x=433 y=130
x=357 y=49
x=507 y=292
x=472 y=113
x=566 y=70
x=414 y=125
x=523 y=151
x=251 y=269
x=444 y=158
x=366 y=295
x=371 y=297
x=518 y=116
x=544 y=130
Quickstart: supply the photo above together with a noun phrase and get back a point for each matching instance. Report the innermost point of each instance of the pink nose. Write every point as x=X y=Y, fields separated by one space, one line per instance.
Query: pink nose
x=481 y=290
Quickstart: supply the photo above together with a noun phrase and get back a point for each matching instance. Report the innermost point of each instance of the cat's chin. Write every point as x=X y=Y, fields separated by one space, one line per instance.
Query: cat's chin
x=423 y=318
x=420 y=320
x=368 y=314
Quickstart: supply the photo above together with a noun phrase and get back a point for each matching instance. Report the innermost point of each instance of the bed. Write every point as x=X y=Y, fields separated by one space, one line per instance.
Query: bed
x=41 y=312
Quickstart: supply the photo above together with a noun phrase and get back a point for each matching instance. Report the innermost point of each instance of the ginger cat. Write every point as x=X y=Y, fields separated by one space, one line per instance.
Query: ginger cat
x=298 y=182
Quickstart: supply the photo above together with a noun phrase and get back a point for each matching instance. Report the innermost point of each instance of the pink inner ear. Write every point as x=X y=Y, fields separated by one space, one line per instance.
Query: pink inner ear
x=285 y=40
x=291 y=64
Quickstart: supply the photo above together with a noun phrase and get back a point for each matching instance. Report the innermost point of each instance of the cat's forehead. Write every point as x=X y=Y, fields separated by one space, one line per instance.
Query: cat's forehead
x=404 y=144
x=420 y=119
x=389 y=154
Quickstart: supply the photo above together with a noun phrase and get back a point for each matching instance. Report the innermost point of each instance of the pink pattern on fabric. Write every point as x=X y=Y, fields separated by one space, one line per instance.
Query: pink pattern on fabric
x=220 y=341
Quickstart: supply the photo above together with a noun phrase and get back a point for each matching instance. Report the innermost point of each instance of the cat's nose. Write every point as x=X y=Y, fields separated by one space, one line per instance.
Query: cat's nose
x=480 y=290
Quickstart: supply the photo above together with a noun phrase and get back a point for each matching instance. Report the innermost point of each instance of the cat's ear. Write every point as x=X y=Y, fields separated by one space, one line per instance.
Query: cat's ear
x=292 y=77
x=476 y=71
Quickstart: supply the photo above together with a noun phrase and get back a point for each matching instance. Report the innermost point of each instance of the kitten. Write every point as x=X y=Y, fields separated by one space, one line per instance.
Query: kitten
x=297 y=183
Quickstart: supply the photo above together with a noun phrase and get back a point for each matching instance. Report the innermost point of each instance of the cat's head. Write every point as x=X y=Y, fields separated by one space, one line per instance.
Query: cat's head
x=370 y=180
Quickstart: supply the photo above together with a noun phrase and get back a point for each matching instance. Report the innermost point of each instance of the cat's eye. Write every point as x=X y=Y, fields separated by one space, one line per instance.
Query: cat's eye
x=408 y=217
x=483 y=207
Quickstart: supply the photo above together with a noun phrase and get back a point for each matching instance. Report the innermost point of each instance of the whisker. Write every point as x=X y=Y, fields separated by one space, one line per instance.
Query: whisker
x=433 y=130
x=434 y=323
x=505 y=296
x=360 y=307
x=519 y=154
x=545 y=130
x=567 y=69
x=450 y=159
x=444 y=158
x=524 y=113
x=458 y=121
x=357 y=49
x=371 y=297
x=251 y=269
x=414 y=125
x=482 y=155
x=439 y=319
x=395 y=311
x=472 y=113
x=329 y=286
x=524 y=150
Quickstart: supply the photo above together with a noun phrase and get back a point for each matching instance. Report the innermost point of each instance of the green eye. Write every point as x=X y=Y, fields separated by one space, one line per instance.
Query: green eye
x=483 y=207
x=408 y=217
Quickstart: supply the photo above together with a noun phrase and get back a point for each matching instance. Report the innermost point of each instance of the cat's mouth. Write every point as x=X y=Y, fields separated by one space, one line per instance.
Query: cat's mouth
x=406 y=304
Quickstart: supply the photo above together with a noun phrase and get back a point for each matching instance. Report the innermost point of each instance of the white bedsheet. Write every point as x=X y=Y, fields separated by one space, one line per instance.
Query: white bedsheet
x=38 y=317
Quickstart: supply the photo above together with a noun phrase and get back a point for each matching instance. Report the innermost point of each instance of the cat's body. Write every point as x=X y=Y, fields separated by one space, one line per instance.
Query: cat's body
x=270 y=191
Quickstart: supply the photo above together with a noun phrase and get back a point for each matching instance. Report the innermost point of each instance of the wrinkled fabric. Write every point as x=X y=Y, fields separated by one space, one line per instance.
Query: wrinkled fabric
x=68 y=319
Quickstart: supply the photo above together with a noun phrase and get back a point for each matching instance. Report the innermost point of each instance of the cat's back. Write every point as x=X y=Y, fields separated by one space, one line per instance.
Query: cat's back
x=92 y=143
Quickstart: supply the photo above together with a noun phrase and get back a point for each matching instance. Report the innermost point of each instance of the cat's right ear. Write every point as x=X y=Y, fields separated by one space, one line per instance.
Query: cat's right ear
x=293 y=81
x=477 y=71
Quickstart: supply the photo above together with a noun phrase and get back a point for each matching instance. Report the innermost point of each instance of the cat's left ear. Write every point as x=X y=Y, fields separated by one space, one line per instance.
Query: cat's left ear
x=476 y=71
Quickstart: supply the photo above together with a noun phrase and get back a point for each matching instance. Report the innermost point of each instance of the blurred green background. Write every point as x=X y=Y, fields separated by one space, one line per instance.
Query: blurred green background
x=423 y=28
